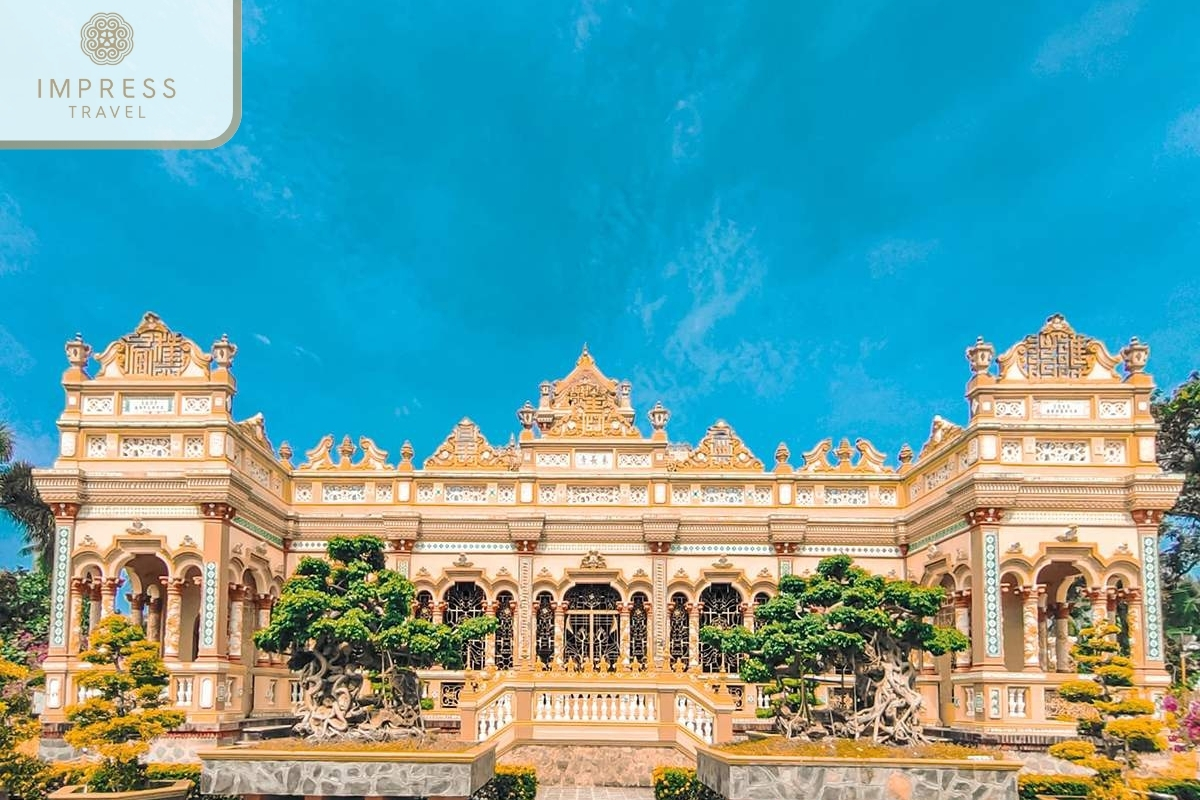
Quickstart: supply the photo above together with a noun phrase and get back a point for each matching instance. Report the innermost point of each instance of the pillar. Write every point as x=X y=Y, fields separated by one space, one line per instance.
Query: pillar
x=1099 y=599
x=95 y=600
x=1147 y=521
x=623 y=610
x=489 y=641
x=236 y=629
x=1029 y=621
x=439 y=612
x=135 y=608
x=262 y=610
x=1044 y=618
x=174 y=613
x=75 y=618
x=962 y=621
x=1062 y=633
x=154 y=618
x=108 y=600
x=693 y=610
x=213 y=646
x=560 y=617
x=525 y=542
x=748 y=612
x=987 y=623
x=1137 y=648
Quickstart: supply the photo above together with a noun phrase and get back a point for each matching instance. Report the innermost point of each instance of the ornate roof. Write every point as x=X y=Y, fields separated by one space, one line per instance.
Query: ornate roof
x=586 y=403
x=467 y=448
x=153 y=350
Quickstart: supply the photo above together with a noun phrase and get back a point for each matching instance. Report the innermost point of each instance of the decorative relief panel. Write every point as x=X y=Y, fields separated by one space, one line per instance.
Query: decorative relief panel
x=553 y=459
x=153 y=350
x=302 y=493
x=804 y=496
x=1060 y=452
x=193 y=447
x=887 y=496
x=467 y=448
x=593 y=495
x=991 y=593
x=506 y=493
x=383 y=492
x=1115 y=409
x=639 y=495
x=146 y=447
x=681 y=495
x=720 y=449
x=1056 y=352
x=1063 y=409
x=761 y=495
x=216 y=444
x=67 y=444
x=1114 y=451
x=197 y=404
x=939 y=476
x=208 y=624
x=258 y=472
x=466 y=493
x=58 y=605
x=845 y=496
x=147 y=405
x=547 y=493
x=344 y=493
x=593 y=460
x=633 y=460
x=1010 y=451
x=1010 y=408
x=426 y=493
x=99 y=405
x=722 y=495
x=1152 y=600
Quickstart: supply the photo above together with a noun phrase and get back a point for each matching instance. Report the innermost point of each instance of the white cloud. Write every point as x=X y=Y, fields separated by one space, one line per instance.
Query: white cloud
x=686 y=129
x=17 y=240
x=402 y=411
x=239 y=164
x=303 y=353
x=1184 y=134
x=262 y=339
x=586 y=18
x=646 y=309
x=891 y=256
x=39 y=449
x=253 y=19
x=1087 y=44
x=13 y=356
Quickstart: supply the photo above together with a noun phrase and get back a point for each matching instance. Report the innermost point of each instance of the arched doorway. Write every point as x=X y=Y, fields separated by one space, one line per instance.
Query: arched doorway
x=592 y=625
x=463 y=601
x=720 y=607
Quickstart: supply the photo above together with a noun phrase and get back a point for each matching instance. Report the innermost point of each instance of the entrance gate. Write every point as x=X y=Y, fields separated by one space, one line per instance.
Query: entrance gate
x=593 y=627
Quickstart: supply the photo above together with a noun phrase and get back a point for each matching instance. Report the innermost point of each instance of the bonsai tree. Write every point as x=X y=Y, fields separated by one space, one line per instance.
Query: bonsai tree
x=348 y=622
x=1123 y=723
x=127 y=709
x=21 y=774
x=845 y=620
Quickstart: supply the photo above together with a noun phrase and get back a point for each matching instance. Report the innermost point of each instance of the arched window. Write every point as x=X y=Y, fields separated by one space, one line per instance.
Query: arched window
x=721 y=607
x=504 y=630
x=638 y=629
x=592 y=625
x=424 y=606
x=677 y=616
x=544 y=634
x=463 y=601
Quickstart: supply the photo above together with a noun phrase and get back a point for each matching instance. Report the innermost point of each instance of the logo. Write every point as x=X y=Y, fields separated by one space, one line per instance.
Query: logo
x=106 y=39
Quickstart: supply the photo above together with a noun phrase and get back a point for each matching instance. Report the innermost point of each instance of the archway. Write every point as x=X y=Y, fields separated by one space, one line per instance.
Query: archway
x=465 y=600
x=677 y=616
x=639 y=628
x=720 y=607
x=544 y=630
x=1067 y=610
x=503 y=652
x=592 y=630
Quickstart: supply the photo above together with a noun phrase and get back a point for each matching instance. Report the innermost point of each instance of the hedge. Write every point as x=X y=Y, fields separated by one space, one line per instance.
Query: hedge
x=1029 y=786
x=680 y=783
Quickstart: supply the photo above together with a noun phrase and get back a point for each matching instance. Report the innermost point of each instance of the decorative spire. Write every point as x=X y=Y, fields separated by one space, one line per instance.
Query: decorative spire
x=782 y=454
x=285 y=454
x=223 y=352
x=78 y=352
x=345 y=451
x=980 y=356
x=1134 y=356
x=659 y=416
x=406 y=452
x=906 y=454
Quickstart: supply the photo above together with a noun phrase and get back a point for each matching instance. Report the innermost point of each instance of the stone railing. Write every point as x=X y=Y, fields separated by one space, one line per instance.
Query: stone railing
x=595 y=706
x=494 y=717
x=693 y=717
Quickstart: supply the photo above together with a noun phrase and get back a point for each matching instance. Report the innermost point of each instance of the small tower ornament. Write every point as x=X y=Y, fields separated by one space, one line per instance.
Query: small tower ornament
x=1134 y=356
x=345 y=451
x=78 y=352
x=980 y=356
x=223 y=352
x=659 y=416
x=406 y=453
x=285 y=454
x=525 y=416
x=782 y=454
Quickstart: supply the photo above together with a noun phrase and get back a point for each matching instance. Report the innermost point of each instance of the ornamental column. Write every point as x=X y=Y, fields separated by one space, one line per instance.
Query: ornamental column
x=95 y=600
x=659 y=533
x=1044 y=618
x=987 y=624
x=75 y=618
x=748 y=612
x=962 y=621
x=1062 y=637
x=262 y=610
x=1147 y=521
x=214 y=612
x=560 y=616
x=171 y=626
x=489 y=641
x=135 y=608
x=1099 y=599
x=525 y=533
x=439 y=612
x=693 y=610
x=154 y=618
x=108 y=601
x=1137 y=648
x=236 y=628
x=623 y=610
x=1029 y=621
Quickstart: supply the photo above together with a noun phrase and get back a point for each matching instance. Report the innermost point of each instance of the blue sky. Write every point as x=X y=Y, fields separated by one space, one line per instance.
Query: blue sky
x=794 y=219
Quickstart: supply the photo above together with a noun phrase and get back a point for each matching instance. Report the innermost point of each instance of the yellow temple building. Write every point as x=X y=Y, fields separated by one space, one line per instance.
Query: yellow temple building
x=599 y=543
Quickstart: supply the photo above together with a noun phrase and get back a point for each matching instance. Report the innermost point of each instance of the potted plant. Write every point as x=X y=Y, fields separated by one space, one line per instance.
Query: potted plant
x=125 y=712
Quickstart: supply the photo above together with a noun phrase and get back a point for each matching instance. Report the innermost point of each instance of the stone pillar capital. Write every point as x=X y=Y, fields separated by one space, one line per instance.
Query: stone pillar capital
x=218 y=510
x=402 y=545
x=1147 y=516
x=65 y=512
x=525 y=545
x=984 y=515
x=659 y=547
x=785 y=548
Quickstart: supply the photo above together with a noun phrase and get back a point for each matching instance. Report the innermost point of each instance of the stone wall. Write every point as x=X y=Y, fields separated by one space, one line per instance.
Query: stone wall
x=856 y=780
x=597 y=764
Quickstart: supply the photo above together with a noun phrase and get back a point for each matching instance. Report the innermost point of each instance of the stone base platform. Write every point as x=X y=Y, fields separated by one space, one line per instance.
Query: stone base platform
x=597 y=763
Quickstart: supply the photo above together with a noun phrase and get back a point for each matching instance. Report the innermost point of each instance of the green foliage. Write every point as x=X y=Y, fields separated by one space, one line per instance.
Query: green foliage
x=21 y=503
x=840 y=619
x=83 y=774
x=1029 y=786
x=680 y=783
x=22 y=774
x=514 y=782
x=127 y=711
x=353 y=604
x=1074 y=750
x=24 y=615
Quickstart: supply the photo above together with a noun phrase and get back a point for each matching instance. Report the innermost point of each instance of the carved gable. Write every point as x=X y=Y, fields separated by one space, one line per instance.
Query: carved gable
x=1057 y=352
x=153 y=351
x=720 y=449
x=941 y=433
x=467 y=448
x=586 y=403
x=869 y=459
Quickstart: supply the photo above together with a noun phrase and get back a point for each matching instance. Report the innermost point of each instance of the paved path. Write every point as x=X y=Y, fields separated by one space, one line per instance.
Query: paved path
x=595 y=793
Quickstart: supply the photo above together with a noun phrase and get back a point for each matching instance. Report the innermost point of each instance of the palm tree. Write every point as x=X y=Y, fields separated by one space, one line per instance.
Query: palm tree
x=20 y=501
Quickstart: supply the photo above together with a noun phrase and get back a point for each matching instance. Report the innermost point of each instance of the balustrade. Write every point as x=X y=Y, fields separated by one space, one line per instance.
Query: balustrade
x=183 y=691
x=1018 y=699
x=494 y=717
x=568 y=706
x=694 y=718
